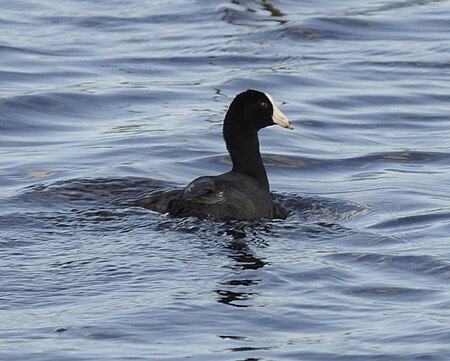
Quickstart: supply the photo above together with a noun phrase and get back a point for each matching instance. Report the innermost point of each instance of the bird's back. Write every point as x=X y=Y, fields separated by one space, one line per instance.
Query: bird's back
x=228 y=196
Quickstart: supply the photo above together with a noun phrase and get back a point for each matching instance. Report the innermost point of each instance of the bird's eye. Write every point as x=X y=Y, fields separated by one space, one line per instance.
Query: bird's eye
x=264 y=105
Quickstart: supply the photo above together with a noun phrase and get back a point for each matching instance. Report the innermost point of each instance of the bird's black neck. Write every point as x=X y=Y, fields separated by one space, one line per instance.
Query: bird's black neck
x=243 y=146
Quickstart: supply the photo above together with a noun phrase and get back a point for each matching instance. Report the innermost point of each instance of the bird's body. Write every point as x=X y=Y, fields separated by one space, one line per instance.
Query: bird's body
x=227 y=196
x=243 y=192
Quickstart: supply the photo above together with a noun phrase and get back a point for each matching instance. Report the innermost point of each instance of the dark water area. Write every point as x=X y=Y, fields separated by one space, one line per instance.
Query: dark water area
x=104 y=103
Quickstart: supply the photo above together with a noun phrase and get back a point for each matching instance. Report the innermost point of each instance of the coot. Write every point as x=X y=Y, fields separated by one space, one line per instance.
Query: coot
x=243 y=192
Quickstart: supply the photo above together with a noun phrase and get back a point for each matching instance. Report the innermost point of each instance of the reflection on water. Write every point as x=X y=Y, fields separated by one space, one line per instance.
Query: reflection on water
x=244 y=260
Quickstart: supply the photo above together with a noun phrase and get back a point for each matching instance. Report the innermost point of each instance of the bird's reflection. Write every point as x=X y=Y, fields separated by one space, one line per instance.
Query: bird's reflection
x=232 y=291
x=243 y=256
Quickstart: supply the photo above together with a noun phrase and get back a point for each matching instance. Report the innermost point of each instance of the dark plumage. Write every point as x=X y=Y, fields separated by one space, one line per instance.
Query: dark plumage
x=243 y=192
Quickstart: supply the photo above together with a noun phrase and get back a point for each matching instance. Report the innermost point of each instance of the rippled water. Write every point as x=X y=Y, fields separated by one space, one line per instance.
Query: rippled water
x=104 y=103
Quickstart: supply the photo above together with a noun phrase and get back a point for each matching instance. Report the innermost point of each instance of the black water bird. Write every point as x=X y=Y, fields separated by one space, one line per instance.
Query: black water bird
x=243 y=192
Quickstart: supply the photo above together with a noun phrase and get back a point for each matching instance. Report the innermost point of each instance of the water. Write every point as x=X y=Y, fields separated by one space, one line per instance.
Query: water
x=103 y=103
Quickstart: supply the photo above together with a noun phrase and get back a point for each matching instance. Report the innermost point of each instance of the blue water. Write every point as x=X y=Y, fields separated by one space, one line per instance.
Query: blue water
x=103 y=103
